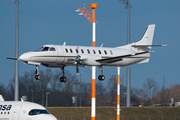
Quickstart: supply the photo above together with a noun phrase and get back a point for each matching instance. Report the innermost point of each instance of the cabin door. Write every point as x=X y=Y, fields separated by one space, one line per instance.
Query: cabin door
x=16 y=112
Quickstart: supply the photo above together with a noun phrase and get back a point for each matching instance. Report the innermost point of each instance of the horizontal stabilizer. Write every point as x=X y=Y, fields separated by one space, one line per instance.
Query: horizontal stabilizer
x=148 y=45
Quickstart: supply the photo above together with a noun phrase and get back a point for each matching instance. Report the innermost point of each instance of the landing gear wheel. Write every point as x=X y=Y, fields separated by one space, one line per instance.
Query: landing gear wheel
x=63 y=79
x=37 y=77
x=101 y=77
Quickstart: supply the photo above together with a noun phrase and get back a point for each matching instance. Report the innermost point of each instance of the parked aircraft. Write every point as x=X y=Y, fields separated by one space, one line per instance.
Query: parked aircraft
x=20 y=110
x=60 y=56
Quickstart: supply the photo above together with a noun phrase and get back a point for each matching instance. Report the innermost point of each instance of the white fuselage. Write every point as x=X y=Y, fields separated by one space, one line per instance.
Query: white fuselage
x=17 y=110
x=65 y=55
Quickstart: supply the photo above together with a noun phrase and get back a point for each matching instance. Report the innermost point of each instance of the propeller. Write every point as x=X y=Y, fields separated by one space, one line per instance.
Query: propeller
x=77 y=61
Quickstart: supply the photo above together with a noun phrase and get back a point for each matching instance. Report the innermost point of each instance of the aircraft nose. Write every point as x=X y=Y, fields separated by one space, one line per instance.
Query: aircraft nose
x=24 y=57
x=54 y=118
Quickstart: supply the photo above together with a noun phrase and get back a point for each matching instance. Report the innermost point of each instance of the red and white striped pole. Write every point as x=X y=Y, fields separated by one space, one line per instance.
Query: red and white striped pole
x=118 y=94
x=93 y=102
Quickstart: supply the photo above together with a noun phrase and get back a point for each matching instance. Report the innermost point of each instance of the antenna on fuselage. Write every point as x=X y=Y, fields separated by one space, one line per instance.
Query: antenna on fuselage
x=64 y=43
x=101 y=45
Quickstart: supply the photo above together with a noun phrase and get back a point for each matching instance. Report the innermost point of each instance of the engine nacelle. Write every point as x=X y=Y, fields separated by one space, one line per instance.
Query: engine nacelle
x=90 y=59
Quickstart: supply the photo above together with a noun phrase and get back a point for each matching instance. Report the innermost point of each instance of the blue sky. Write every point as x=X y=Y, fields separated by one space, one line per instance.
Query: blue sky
x=55 y=22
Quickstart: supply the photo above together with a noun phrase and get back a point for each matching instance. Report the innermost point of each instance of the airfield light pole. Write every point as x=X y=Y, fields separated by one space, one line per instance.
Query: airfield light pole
x=80 y=90
x=42 y=97
x=163 y=89
x=128 y=6
x=47 y=98
x=118 y=94
x=92 y=18
x=32 y=95
x=16 y=94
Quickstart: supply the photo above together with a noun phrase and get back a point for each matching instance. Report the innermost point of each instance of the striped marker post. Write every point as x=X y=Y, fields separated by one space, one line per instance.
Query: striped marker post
x=93 y=102
x=118 y=94
x=92 y=18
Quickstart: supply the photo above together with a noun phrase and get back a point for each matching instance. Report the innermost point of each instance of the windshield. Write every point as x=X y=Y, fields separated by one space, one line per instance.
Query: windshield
x=38 y=111
x=40 y=49
x=46 y=49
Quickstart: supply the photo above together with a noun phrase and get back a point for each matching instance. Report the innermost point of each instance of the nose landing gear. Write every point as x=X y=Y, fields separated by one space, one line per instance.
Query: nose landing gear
x=37 y=76
x=101 y=77
x=63 y=79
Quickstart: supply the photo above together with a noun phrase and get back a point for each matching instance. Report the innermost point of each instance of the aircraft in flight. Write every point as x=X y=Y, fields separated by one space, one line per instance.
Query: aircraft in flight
x=21 y=110
x=60 y=56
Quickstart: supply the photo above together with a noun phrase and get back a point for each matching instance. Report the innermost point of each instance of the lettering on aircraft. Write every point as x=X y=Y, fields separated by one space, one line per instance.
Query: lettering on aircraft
x=5 y=107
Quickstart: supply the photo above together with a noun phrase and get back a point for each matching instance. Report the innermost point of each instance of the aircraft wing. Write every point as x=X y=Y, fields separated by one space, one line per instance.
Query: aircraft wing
x=119 y=58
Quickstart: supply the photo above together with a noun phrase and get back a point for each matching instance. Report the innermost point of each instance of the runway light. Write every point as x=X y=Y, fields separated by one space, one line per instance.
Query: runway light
x=76 y=10
x=80 y=14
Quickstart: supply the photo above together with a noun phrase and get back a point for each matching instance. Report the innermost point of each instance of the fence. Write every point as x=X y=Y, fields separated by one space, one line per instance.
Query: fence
x=78 y=117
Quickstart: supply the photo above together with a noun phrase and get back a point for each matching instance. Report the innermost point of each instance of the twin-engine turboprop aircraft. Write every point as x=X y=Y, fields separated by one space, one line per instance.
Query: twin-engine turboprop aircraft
x=60 y=56
x=18 y=110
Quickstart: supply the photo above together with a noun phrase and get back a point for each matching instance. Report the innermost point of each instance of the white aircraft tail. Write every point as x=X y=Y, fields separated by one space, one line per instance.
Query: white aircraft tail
x=147 y=37
x=1 y=98
x=144 y=44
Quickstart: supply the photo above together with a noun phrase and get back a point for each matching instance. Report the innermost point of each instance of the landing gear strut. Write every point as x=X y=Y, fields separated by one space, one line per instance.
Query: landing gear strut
x=101 y=77
x=37 y=76
x=63 y=79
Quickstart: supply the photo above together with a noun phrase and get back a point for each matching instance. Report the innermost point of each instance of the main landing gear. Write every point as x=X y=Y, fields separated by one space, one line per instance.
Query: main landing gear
x=63 y=79
x=37 y=76
x=101 y=77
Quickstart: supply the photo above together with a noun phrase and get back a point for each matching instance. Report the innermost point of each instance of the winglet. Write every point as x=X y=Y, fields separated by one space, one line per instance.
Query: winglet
x=1 y=98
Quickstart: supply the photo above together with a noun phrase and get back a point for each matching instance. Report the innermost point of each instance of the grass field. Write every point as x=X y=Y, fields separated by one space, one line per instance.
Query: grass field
x=109 y=113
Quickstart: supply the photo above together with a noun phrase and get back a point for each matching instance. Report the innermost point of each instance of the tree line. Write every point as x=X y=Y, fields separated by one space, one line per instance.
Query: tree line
x=106 y=95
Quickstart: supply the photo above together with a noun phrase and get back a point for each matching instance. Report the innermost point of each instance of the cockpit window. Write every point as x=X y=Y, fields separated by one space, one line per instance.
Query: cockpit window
x=40 y=49
x=45 y=49
x=52 y=49
x=38 y=111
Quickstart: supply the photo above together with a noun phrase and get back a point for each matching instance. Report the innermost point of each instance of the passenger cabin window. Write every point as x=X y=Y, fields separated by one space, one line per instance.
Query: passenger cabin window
x=66 y=50
x=111 y=52
x=94 y=51
x=38 y=111
x=105 y=52
x=71 y=50
x=76 y=50
x=82 y=50
x=99 y=52
x=52 y=49
x=88 y=51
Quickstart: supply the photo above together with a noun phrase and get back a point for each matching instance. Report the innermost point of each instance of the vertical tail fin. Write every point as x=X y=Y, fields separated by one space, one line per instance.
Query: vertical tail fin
x=147 y=37
x=145 y=43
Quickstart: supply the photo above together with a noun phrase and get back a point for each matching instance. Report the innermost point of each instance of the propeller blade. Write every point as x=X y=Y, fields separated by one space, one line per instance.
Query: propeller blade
x=77 y=69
